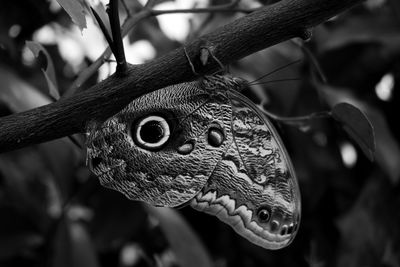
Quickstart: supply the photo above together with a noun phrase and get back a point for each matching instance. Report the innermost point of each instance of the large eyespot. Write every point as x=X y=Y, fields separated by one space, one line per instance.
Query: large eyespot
x=151 y=132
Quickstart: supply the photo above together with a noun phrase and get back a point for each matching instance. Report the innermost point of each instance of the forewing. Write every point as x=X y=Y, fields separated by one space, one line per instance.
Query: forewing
x=164 y=177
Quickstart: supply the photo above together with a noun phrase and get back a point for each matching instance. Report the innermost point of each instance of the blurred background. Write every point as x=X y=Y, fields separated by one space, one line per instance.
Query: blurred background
x=53 y=212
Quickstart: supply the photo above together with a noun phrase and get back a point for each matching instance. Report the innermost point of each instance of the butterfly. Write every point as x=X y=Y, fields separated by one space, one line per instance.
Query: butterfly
x=202 y=144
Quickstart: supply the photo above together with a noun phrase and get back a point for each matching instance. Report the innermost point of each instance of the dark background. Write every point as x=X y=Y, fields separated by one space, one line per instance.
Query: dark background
x=53 y=212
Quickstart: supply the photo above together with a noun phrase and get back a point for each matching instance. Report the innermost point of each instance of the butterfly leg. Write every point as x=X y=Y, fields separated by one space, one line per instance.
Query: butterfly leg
x=206 y=52
x=190 y=61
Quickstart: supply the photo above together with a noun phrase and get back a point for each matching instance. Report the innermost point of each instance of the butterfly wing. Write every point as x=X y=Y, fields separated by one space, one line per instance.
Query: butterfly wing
x=253 y=187
x=192 y=128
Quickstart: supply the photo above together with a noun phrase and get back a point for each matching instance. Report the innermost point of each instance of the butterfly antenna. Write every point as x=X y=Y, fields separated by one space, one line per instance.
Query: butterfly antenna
x=276 y=70
x=190 y=61
x=277 y=81
x=75 y=141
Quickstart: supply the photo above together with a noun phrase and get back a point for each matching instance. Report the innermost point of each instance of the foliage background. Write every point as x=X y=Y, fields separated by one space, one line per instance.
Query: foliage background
x=53 y=212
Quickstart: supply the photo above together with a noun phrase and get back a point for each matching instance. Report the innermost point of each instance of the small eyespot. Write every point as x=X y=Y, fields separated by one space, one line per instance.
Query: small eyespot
x=215 y=136
x=186 y=148
x=284 y=230
x=274 y=226
x=151 y=132
x=290 y=229
x=261 y=179
x=263 y=215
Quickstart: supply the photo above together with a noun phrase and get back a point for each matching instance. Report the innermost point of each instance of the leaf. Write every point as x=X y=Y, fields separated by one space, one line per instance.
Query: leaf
x=17 y=233
x=76 y=11
x=184 y=242
x=357 y=125
x=49 y=72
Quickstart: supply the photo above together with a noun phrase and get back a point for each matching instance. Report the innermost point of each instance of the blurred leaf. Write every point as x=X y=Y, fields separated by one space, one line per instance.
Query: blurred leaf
x=357 y=125
x=369 y=229
x=25 y=185
x=395 y=5
x=387 y=148
x=379 y=27
x=27 y=197
x=73 y=246
x=184 y=242
x=16 y=235
x=49 y=72
x=62 y=158
x=76 y=11
x=59 y=155
x=19 y=95
x=111 y=226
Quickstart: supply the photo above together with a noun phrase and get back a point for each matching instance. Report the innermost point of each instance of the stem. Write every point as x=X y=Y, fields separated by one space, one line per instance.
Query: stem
x=119 y=52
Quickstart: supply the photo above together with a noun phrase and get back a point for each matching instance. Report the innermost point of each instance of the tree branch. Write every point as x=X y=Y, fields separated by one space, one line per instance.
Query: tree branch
x=258 y=30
